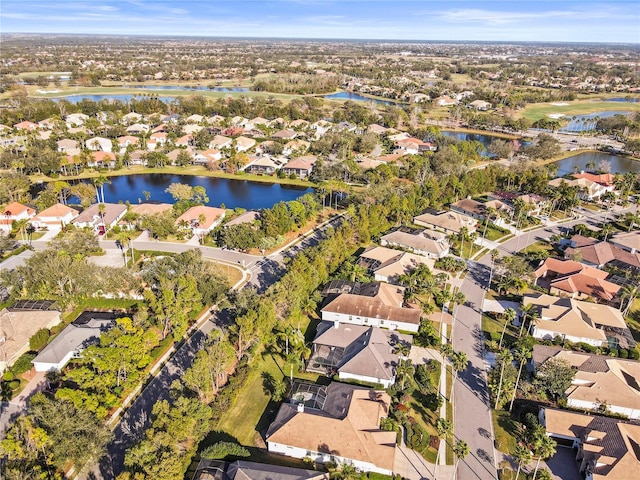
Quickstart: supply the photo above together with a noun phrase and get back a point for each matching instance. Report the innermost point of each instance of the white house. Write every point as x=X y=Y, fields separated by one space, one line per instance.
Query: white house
x=55 y=218
x=201 y=219
x=14 y=212
x=99 y=144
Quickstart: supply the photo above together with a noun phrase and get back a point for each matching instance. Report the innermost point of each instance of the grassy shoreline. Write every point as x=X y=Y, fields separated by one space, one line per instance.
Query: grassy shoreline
x=192 y=170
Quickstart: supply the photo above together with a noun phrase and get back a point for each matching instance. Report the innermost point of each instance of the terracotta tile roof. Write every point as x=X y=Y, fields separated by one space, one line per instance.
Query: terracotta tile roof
x=16 y=208
x=57 y=210
x=602 y=178
x=211 y=215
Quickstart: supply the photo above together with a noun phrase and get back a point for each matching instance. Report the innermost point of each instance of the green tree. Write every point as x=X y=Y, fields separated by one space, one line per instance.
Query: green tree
x=222 y=450
x=555 y=376
x=460 y=450
x=522 y=456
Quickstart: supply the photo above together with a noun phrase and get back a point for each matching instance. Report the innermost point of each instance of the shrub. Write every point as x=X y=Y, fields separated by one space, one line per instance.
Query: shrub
x=8 y=376
x=634 y=354
x=623 y=353
x=223 y=450
x=39 y=339
x=23 y=364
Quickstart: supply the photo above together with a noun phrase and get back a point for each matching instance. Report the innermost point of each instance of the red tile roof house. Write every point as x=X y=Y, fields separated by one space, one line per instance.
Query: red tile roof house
x=567 y=278
x=26 y=125
x=211 y=218
x=12 y=212
x=55 y=218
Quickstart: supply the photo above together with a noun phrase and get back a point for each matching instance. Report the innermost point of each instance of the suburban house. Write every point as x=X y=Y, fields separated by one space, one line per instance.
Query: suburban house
x=68 y=146
x=578 y=321
x=567 y=278
x=413 y=146
x=296 y=146
x=243 y=143
x=55 y=218
x=156 y=140
x=301 y=167
x=185 y=141
x=598 y=253
x=445 y=101
x=377 y=129
x=600 y=381
x=131 y=117
x=338 y=423
x=203 y=157
x=201 y=219
x=448 y=222
x=14 y=212
x=76 y=119
x=480 y=105
x=588 y=189
x=482 y=210
x=428 y=243
x=99 y=144
x=137 y=129
x=241 y=470
x=357 y=352
x=100 y=222
x=77 y=336
x=604 y=179
x=102 y=159
x=629 y=241
x=150 y=208
x=219 y=142
x=126 y=140
x=18 y=324
x=261 y=165
x=374 y=304
x=195 y=118
x=26 y=125
x=387 y=264
x=285 y=134
x=607 y=447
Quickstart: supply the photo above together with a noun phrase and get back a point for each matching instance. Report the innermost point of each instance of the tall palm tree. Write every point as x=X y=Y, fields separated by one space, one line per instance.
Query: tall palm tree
x=444 y=428
x=546 y=448
x=630 y=293
x=522 y=456
x=505 y=358
x=461 y=450
x=521 y=354
x=509 y=315
x=404 y=370
x=459 y=363
x=99 y=182
x=527 y=310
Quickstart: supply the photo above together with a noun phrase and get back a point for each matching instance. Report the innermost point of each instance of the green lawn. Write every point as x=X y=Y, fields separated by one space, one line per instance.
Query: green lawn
x=505 y=430
x=633 y=320
x=539 y=247
x=536 y=111
x=493 y=233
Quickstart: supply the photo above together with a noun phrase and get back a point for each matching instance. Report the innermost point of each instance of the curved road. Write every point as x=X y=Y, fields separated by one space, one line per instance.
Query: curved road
x=472 y=412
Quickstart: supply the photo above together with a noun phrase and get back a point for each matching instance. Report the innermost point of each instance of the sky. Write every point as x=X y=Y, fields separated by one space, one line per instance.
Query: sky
x=516 y=20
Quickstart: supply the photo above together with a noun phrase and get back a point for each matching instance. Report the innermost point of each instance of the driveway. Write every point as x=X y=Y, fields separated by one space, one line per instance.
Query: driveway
x=563 y=465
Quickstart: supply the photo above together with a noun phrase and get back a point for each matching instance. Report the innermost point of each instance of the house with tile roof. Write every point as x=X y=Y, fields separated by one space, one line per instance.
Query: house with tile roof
x=243 y=143
x=608 y=448
x=599 y=380
x=338 y=423
x=201 y=219
x=377 y=305
x=14 y=212
x=428 y=243
x=578 y=321
x=448 y=222
x=576 y=280
x=301 y=167
x=357 y=352
x=242 y=470
x=100 y=222
x=599 y=253
x=587 y=189
x=387 y=264
x=55 y=218
x=629 y=241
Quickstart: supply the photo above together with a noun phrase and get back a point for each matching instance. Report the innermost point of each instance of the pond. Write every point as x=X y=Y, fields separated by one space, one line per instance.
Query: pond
x=357 y=97
x=485 y=140
x=188 y=87
x=231 y=193
x=617 y=163
x=121 y=97
x=621 y=99
x=585 y=123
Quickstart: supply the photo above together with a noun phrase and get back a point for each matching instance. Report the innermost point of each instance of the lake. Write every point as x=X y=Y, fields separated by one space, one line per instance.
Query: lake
x=357 y=97
x=188 y=87
x=618 y=164
x=621 y=99
x=485 y=140
x=231 y=193
x=585 y=123
x=122 y=97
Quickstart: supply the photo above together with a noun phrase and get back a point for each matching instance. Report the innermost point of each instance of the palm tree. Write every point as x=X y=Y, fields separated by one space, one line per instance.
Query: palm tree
x=522 y=456
x=461 y=450
x=404 y=370
x=505 y=358
x=444 y=428
x=99 y=182
x=526 y=310
x=546 y=448
x=459 y=363
x=630 y=292
x=509 y=315
x=522 y=354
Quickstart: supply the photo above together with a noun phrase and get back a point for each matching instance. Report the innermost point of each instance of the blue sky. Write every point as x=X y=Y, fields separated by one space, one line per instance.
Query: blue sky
x=515 y=20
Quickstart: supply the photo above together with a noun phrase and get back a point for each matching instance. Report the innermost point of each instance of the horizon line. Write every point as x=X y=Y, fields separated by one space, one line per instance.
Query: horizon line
x=325 y=39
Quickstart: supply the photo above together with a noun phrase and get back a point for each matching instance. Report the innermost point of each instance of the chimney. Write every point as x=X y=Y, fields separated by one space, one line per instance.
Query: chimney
x=301 y=407
x=336 y=324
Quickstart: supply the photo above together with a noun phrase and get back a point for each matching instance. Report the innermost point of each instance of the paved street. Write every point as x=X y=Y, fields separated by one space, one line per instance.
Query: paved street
x=472 y=413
